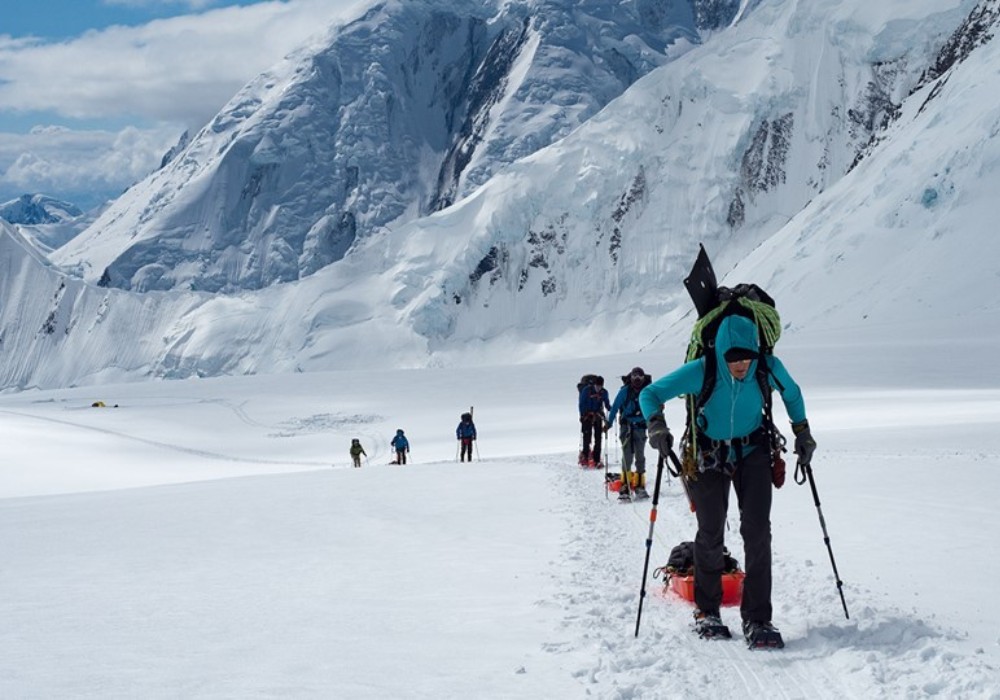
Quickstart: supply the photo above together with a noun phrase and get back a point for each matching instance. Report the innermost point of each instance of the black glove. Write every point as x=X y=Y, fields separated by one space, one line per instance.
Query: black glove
x=804 y=443
x=659 y=435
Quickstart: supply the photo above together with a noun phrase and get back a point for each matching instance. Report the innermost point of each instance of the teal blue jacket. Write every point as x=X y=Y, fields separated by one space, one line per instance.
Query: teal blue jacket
x=735 y=408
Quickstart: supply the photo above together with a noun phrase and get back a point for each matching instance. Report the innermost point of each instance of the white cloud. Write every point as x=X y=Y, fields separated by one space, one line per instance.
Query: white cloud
x=72 y=163
x=163 y=77
x=181 y=69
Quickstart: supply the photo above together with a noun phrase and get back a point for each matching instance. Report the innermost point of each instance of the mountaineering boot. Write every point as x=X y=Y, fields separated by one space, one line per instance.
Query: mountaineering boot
x=762 y=635
x=710 y=626
x=624 y=490
x=640 y=493
x=584 y=457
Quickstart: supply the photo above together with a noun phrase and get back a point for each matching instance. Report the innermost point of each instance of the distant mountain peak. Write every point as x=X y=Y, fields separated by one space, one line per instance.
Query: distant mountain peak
x=33 y=209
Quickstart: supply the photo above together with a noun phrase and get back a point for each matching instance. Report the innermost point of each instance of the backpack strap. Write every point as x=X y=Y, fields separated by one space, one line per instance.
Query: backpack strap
x=775 y=440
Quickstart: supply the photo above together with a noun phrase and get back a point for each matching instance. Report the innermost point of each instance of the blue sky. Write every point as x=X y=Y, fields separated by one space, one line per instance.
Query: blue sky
x=60 y=19
x=93 y=92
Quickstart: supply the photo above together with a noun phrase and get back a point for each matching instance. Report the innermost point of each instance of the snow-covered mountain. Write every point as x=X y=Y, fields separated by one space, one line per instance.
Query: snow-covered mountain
x=840 y=150
x=45 y=222
x=395 y=115
x=33 y=209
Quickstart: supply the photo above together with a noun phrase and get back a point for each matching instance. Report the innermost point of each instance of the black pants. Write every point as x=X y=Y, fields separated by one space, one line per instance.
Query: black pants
x=593 y=428
x=710 y=493
x=466 y=449
x=400 y=456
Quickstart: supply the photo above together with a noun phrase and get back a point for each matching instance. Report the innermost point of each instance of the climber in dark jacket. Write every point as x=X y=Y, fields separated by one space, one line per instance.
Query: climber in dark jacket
x=594 y=400
x=401 y=445
x=466 y=434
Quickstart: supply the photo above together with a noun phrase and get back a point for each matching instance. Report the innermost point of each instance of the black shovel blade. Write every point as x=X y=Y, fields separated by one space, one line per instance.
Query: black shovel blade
x=702 y=285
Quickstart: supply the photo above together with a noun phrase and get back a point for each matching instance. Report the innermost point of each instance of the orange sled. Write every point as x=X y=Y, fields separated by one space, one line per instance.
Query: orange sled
x=732 y=587
x=615 y=481
x=678 y=574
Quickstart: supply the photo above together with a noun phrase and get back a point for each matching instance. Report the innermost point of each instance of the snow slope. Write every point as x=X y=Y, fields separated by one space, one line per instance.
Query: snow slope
x=194 y=541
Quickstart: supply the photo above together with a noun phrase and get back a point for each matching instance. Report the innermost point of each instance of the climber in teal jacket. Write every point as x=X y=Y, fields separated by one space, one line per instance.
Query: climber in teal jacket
x=732 y=448
x=735 y=408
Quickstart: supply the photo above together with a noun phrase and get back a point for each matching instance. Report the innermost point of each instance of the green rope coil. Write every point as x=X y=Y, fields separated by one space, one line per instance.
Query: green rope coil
x=695 y=348
x=766 y=318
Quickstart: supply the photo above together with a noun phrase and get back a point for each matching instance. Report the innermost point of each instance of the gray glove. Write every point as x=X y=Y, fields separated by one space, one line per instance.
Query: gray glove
x=659 y=435
x=804 y=443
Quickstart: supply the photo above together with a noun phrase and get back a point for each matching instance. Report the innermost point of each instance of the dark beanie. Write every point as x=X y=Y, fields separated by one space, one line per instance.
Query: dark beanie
x=737 y=354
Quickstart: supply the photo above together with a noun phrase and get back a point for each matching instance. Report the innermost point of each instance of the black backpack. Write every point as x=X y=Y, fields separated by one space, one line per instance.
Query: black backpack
x=585 y=380
x=590 y=381
x=681 y=560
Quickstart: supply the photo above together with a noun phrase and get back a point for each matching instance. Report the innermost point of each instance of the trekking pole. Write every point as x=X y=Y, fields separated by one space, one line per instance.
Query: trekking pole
x=649 y=542
x=607 y=446
x=807 y=472
x=607 y=488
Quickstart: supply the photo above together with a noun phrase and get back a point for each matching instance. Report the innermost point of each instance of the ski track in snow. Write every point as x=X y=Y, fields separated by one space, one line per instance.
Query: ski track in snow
x=161 y=444
x=826 y=655
x=319 y=423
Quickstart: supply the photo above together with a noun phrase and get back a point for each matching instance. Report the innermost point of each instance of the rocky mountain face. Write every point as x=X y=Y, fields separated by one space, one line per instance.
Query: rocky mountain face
x=398 y=114
x=716 y=14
